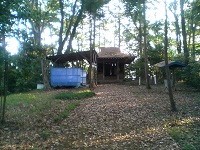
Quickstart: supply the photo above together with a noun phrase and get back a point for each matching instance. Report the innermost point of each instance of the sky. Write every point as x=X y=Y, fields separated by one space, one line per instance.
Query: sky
x=156 y=13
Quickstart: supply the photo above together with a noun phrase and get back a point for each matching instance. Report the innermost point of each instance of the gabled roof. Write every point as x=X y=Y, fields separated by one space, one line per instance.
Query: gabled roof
x=111 y=52
x=108 y=53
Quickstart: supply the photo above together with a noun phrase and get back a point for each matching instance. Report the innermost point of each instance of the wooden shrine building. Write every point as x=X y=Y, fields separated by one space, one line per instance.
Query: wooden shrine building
x=110 y=62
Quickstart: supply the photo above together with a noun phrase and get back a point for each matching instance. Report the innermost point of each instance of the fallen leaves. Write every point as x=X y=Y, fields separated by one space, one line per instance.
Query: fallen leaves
x=118 y=117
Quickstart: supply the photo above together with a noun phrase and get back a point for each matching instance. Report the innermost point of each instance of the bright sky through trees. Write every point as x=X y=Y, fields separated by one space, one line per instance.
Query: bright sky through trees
x=154 y=12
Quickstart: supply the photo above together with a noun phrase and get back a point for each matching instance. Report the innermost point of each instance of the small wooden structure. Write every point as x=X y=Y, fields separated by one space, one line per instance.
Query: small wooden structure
x=172 y=66
x=111 y=64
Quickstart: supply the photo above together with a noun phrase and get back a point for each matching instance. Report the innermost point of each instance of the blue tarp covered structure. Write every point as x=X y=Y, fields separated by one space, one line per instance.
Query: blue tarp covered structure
x=171 y=64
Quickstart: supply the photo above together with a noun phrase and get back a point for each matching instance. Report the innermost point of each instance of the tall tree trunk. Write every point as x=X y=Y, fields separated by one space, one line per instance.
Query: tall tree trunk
x=192 y=31
x=79 y=17
x=5 y=79
x=178 y=35
x=37 y=28
x=60 y=40
x=193 y=41
x=140 y=37
x=91 y=57
x=140 y=49
x=177 y=27
x=145 y=50
x=45 y=71
x=184 y=34
x=172 y=102
x=119 y=30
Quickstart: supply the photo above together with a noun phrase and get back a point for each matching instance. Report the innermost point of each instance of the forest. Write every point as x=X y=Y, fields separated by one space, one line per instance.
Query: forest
x=55 y=27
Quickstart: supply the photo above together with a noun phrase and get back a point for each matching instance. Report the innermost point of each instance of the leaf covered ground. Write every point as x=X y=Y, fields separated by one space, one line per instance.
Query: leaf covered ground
x=118 y=117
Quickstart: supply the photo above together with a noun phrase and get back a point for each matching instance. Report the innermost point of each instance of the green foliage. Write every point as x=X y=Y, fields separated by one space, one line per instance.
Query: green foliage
x=92 y=6
x=63 y=114
x=186 y=133
x=192 y=74
x=45 y=134
x=75 y=95
x=28 y=65
x=6 y=15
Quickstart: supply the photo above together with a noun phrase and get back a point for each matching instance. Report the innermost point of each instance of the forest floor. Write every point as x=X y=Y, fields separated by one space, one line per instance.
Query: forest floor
x=118 y=117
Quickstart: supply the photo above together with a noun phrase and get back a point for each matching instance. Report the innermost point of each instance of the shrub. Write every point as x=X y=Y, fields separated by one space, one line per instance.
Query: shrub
x=192 y=74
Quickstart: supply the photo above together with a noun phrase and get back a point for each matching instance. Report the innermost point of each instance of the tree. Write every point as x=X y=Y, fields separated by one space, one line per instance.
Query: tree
x=184 y=34
x=172 y=102
x=194 y=17
x=39 y=17
x=71 y=23
x=145 y=49
x=134 y=10
x=141 y=7
x=173 y=8
x=92 y=8
x=7 y=19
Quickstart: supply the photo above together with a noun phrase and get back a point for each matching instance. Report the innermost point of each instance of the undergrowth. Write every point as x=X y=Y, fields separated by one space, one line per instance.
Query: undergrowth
x=75 y=95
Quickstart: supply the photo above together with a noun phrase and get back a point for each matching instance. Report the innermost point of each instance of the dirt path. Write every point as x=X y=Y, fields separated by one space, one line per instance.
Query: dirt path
x=119 y=117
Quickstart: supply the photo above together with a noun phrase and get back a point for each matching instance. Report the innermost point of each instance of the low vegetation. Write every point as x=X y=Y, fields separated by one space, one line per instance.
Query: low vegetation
x=184 y=127
x=51 y=118
x=37 y=114
x=75 y=95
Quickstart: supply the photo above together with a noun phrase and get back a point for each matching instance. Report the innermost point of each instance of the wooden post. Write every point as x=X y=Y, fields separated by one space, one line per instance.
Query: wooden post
x=117 y=69
x=103 y=70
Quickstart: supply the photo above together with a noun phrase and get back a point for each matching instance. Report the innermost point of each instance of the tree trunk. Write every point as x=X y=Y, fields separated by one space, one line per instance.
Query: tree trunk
x=5 y=79
x=184 y=34
x=178 y=37
x=172 y=102
x=60 y=40
x=193 y=41
x=140 y=38
x=177 y=27
x=79 y=17
x=37 y=28
x=145 y=51
x=45 y=71
x=91 y=57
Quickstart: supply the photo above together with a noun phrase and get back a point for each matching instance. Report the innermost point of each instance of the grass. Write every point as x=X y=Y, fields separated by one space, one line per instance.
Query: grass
x=186 y=135
x=63 y=114
x=75 y=95
x=45 y=134
x=28 y=98
x=37 y=103
x=37 y=111
x=185 y=130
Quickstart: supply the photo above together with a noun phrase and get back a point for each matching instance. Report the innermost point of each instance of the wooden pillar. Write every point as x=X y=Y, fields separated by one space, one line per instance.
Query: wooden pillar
x=103 y=70
x=117 y=69
x=95 y=62
x=123 y=71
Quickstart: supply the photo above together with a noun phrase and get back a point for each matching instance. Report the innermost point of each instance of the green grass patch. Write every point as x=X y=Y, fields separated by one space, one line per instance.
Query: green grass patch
x=63 y=114
x=28 y=98
x=45 y=134
x=75 y=95
x=32 y=102
x=186 y=134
